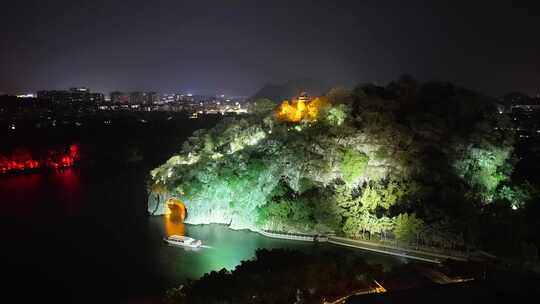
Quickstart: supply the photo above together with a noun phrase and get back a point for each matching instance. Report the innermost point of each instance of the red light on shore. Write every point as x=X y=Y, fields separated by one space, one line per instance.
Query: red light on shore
x=67 y=161
x=31 y=164
x=21 y=161
x=74 y=152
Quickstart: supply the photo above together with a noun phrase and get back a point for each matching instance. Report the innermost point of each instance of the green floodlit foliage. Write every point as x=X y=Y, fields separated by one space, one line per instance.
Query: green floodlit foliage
x=485 y=169
x=336 y=115
x=353 y=165
x=408 y=227
x=404 y=162
x=517 y=195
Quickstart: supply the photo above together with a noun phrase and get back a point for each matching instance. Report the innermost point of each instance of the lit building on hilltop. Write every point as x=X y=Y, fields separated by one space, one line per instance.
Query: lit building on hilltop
x=304 y=98
x=301 y=108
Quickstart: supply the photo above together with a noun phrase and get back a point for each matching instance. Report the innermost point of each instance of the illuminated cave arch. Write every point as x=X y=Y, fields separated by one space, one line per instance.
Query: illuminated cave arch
x=176 y=209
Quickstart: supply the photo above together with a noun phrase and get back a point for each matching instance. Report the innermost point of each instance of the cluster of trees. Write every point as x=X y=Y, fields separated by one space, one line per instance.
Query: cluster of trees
x=281 y=276
x=420 y=164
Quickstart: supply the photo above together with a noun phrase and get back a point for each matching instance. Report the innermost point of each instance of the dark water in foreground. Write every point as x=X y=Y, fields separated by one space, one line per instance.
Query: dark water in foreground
x=82 y=235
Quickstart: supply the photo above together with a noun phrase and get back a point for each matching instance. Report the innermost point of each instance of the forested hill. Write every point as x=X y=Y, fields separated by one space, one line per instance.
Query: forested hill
x=425 y=164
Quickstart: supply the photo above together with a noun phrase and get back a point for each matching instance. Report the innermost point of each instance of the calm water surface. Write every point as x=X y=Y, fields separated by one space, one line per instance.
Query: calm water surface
x=82 y=235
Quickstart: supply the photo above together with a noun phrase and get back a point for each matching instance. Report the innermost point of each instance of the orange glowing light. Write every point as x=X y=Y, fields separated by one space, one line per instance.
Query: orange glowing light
x=173 y=226
x=174 y=219
x=177 y=209
x=301 y=108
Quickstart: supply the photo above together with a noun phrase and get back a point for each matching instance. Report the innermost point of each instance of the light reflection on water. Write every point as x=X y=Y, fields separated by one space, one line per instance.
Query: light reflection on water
x=226 y=248
x=35 y=192
x=174 y=225
x=119 y=240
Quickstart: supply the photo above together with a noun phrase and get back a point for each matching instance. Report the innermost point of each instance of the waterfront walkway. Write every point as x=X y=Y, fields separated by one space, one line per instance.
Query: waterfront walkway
x=421 y=255
x=295 y=236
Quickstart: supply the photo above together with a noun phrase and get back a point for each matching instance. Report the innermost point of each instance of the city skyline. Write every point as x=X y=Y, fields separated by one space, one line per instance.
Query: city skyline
x=33 y=94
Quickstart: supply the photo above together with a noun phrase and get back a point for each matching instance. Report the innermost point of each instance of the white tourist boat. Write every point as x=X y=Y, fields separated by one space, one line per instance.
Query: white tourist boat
x=181 y=240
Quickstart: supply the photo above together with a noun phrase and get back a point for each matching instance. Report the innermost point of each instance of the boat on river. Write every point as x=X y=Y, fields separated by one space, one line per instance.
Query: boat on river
x=185 y=241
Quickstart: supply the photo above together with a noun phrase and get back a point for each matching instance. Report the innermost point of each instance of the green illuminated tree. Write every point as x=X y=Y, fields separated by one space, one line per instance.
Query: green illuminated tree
x=386 y=225
x=408 y=227
x=336 y=115
x=484 y=169
x=353 y=165
x=371 y=198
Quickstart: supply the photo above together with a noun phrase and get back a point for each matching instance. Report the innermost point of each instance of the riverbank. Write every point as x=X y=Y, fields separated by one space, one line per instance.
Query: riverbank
x=420 y=255
x=294 y=236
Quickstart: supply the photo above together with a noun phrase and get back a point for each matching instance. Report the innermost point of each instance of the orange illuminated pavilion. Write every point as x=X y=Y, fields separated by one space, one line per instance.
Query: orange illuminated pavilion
x=301 y=108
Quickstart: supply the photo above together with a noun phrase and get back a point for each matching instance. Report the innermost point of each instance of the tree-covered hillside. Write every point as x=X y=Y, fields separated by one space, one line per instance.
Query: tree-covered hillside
x=416 y=163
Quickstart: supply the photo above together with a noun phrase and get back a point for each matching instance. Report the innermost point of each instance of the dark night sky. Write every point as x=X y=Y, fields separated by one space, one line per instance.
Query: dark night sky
x=235 y=47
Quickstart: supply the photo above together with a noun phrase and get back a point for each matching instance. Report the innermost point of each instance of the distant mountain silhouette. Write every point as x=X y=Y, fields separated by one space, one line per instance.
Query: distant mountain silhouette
x=291 y=88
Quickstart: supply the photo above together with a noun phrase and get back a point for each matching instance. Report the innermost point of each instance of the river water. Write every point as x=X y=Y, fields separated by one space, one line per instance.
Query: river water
x=82 y=235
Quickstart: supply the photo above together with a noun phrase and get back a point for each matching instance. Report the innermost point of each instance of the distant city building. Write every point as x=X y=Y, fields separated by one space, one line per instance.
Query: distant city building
x=168 y=98
x=134 y=98
x=119 y=97
x=80 y=90
x=199 y=104
x=186 y=98
x=524 y=111
x=29 y=95
x=138 y=98
x=521 y=102
x=153 y=97
x=75 y=96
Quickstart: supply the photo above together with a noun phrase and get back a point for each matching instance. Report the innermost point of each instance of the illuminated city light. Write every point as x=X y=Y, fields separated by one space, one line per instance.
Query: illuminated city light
x=30 y=95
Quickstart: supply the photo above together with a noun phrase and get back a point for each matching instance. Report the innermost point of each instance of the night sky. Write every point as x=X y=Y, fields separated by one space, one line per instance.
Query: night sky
x=235 y=47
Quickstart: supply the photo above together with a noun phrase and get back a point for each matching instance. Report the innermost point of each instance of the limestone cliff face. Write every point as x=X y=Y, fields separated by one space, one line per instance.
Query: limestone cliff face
x=229 y=183
x=201 y=212
x=156 y=204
